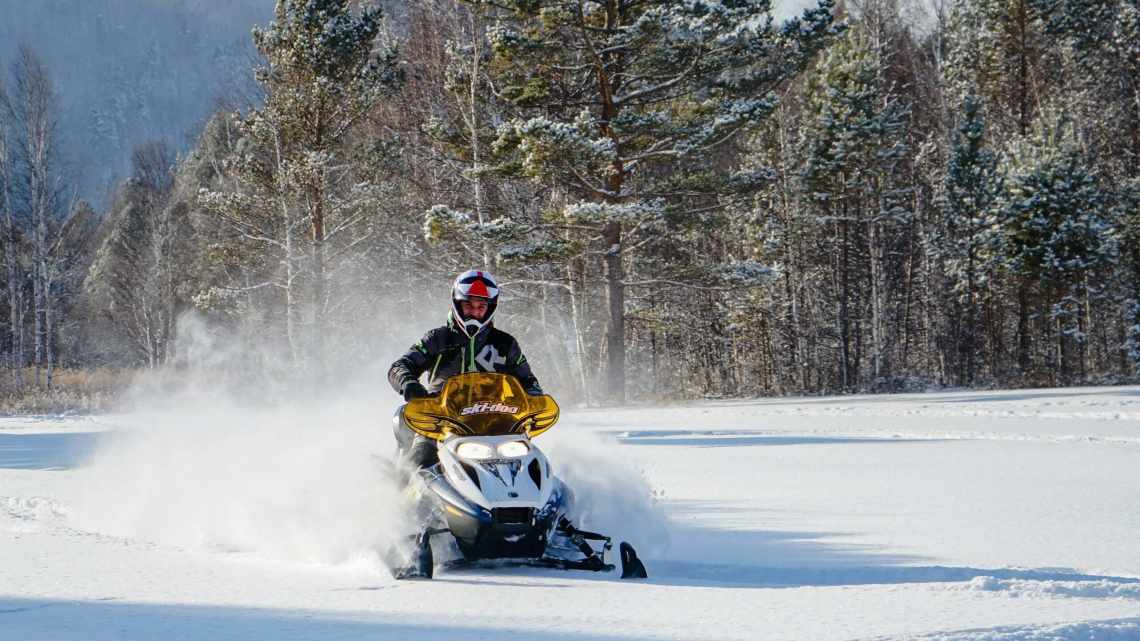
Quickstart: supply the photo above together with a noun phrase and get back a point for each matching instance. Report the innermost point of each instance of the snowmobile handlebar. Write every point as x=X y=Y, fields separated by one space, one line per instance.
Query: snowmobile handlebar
x=481 y=404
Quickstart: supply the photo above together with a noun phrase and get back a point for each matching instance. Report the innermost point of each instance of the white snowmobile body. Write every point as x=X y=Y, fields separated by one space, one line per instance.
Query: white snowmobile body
x=496 y=506
x=492 y=489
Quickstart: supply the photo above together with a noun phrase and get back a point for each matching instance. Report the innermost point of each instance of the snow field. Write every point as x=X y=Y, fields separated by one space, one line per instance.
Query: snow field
x=953 y=516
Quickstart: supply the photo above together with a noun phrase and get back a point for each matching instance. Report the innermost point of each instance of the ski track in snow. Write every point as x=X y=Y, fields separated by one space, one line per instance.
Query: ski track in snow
x=1112 y=630
x=709 y=438
x=779 y=530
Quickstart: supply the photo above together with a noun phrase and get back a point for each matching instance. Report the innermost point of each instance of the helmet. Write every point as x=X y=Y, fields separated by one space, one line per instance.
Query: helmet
x=474 y=284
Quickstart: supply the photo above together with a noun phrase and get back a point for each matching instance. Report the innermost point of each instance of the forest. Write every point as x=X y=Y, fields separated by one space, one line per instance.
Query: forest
x=680 y=198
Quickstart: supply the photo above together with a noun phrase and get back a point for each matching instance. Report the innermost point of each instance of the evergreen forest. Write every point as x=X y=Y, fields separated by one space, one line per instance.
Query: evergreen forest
x=680 y=199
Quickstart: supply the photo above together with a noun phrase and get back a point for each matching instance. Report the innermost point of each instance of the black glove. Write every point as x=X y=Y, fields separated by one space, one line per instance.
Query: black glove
x=414 y=390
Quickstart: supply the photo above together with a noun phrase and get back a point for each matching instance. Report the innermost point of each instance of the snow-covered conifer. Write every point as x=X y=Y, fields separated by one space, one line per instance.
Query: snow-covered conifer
x=1056 y=230
x=304 y=197
x=855 y=138
x=619 y=106
x=972 y=186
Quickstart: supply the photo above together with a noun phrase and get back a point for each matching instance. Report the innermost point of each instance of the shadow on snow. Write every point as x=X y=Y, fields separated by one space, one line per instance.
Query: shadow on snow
x=40 y=451
x=81 y=620
x=740 y=438
x=910 y=398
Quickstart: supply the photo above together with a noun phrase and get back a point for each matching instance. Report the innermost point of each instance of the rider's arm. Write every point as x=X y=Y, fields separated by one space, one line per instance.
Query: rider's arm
x=520 y=368
x=408 y=368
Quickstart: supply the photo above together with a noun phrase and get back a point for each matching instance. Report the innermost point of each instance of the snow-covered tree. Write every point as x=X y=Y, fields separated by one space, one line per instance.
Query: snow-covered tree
x=620 y=104
x=1128 y=223
x=1056 y=231
x=624 y=168
x=972 y=186
x=855 y=138
x=998 y=49
x=13 y=289
x=133 y=277
x=1104 y=40
x=31 y=109
x=304 y=197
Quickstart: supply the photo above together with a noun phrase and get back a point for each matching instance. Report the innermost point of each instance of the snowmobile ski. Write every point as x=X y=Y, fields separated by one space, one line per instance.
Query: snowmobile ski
x=631 y=566
x=416 y=563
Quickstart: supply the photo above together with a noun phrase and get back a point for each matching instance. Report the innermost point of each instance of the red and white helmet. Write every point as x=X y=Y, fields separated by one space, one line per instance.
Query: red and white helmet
x=474 y=284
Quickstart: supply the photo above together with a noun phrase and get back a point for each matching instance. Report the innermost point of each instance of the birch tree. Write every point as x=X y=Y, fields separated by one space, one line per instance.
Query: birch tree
x=33 y=110
x=131 y=278
x=14 y=289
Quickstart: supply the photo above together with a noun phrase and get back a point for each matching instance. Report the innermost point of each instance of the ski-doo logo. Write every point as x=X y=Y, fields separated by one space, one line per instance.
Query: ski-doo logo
x=488 y=408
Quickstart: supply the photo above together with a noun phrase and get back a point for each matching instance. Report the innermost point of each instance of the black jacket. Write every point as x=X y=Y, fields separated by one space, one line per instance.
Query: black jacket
x=447 y=351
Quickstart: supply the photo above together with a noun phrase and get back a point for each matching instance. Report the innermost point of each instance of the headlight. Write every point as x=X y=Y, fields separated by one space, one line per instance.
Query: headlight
x=513 y=449
x=475 y=451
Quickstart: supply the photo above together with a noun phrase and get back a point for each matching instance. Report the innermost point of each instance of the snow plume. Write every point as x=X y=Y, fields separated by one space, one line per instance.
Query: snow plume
x=293 y=483
x=223 y=456
x=611 y=495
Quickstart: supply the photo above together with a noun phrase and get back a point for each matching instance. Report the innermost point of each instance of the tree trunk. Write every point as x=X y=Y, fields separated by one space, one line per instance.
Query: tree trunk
x=971 y=316
x=1023 y=327
x=844 y=312
x=908 y=298
x=15 y=291
x=15 y=307
x=290 y=256
x=317 y=257
x=878 y=287
x=615 y=300
x=579 y=330
x=1084 y=327
x=48 y=329
x=473 y=125
x=1062 y=351
x=38 y=296
x=1023 y=67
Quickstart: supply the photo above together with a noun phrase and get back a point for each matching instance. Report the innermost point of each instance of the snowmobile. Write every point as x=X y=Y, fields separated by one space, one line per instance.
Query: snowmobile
x=492 y=495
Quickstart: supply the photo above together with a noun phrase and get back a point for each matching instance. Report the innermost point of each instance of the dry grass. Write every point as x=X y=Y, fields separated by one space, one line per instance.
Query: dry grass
x=73 y=391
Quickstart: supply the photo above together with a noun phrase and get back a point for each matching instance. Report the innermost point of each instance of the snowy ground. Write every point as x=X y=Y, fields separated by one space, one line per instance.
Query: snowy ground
x=954 y=516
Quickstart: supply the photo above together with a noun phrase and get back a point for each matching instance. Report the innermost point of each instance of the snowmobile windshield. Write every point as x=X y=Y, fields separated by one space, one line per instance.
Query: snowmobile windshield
x=481 y=404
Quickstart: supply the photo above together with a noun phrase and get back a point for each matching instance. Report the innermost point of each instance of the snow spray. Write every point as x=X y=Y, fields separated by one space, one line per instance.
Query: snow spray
x=198 y=465
x=611 y=495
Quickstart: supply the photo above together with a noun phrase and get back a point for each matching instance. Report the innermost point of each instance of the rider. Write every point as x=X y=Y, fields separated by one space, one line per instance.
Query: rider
x=468 y=342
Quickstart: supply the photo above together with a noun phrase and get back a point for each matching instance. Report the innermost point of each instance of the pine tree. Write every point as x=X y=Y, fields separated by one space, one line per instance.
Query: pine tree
x=972 y=186
x=855 y=134
x=1103 y=41
x=1128 y=222
x=327 y=68
x=1056 y=232
x=1104 y=37
x=998 y=49
x=620 y=104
